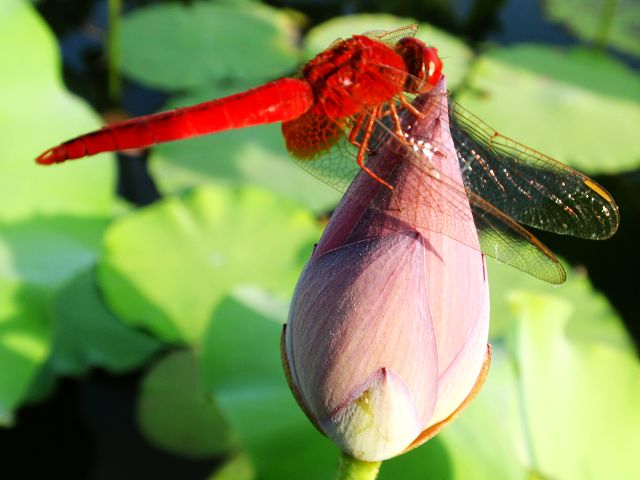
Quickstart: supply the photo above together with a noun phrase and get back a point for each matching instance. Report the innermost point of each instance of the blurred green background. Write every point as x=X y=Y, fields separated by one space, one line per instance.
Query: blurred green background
x=142 y=297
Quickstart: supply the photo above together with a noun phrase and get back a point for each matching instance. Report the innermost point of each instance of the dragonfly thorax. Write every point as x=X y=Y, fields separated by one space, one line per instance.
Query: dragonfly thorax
x=353 y=75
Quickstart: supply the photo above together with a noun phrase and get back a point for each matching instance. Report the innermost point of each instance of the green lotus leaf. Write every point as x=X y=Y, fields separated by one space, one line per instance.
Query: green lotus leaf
x=241 y=367
x=560 y=399
x=36 y=257
x=612 y=23
x=37 y=112
x=175 y=414
x=24 y=342
x=576 y=106
x=87 y=334
x=166 y=267
x=51 y=219
x=238 y=467
x=176 y=46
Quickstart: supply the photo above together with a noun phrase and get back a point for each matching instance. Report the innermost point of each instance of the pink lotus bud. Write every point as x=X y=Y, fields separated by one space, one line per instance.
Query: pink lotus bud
x=387 y=334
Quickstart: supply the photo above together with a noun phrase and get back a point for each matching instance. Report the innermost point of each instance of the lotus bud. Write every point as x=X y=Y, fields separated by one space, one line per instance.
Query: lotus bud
x=386 y=339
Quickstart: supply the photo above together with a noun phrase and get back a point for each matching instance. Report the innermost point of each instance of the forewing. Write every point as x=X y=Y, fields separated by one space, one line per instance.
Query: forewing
x=527 y=185
x=503 y=239
x=419 y=179
x=336 y=166
x=411 y=165
x=391 y=36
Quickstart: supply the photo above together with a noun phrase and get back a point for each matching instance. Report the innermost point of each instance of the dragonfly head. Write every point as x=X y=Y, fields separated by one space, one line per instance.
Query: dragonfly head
x=422 y=63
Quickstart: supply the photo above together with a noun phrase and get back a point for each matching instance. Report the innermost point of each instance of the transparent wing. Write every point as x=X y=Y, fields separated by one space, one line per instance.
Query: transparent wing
x=412 y=165
x=429 y=181
x=527 y=185
x=503 y=239
x=386 y=36
x=392 y=36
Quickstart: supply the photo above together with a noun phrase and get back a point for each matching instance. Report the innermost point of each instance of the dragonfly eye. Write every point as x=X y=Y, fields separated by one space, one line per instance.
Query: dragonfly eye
x=422 y=63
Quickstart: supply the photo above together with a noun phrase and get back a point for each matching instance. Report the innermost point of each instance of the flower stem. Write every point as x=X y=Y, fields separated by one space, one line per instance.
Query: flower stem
x=606 y=23
x=351 y=469
x=114 y=49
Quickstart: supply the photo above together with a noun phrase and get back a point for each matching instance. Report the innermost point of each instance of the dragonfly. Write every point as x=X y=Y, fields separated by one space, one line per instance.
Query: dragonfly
x=359 y=97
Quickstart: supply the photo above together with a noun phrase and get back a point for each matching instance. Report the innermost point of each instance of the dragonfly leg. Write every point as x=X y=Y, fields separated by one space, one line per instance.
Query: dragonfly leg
x=406 y=104
x=396 y=119
x=359 y=120
x=363 y=149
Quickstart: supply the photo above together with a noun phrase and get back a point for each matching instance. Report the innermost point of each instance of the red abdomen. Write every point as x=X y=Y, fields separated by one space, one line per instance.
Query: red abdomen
x=276 y=101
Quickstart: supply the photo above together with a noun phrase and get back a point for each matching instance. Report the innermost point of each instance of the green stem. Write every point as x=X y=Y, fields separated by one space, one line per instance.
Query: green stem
x=114 y=50
x=351 y=469
x=606 y=22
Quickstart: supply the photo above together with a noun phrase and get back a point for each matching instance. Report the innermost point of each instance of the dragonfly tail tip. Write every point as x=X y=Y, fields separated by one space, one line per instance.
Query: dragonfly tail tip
x=49 y=157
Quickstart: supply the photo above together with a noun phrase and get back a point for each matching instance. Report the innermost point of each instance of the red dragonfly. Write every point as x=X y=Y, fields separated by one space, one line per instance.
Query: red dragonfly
x=356 y=96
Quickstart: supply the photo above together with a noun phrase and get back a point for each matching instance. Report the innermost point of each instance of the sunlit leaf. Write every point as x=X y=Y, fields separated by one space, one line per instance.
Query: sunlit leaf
x=51 y=219
x=166 y=267
x=36 y=112
x=561 y=397
x=594 y=317
x=176 y=46
x=176 y=415
x=489 y=439
x=586 y=386
x=36 y=256
x=576 y=106
x=46 y=250
x=613 y=23
x=24 y=342
x=239 y=467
